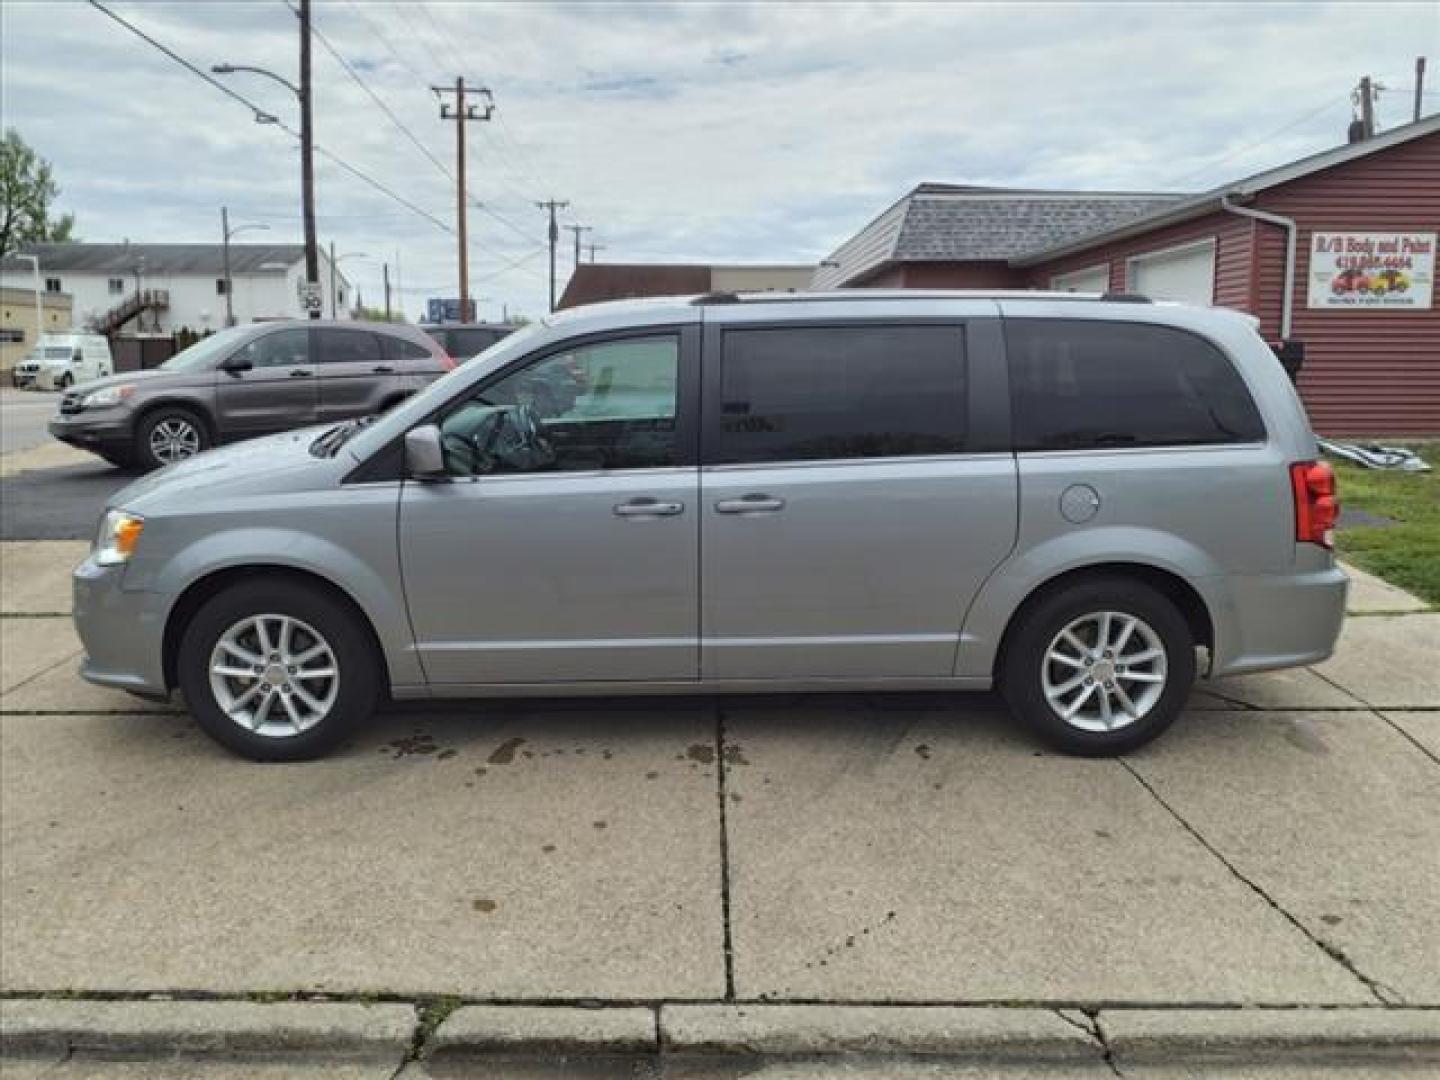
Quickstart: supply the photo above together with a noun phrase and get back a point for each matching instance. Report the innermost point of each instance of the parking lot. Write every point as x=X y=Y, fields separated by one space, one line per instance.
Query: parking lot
x=1276 y=849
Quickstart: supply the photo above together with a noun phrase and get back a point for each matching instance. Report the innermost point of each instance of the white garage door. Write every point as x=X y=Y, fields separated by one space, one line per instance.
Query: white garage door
x=1184 y=273
x=1094 y=279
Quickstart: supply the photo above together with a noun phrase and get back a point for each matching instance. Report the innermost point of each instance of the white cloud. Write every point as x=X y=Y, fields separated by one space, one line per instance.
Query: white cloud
x=760 y=132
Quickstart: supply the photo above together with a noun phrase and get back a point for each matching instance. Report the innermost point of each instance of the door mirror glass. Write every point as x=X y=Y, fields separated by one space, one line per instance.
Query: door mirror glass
x=424 y=458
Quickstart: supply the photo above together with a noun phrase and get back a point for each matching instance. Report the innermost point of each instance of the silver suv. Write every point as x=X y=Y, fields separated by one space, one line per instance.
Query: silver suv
x=248 y=381
x=1080 y=500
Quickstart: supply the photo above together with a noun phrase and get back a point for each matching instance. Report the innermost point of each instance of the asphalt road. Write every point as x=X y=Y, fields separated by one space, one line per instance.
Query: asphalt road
x=57 y=504
x=23 y=414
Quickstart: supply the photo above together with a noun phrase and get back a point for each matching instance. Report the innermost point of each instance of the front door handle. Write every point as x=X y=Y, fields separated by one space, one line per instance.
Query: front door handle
x=299 y=373
x=383 y=369
x=754 y=503
x=647 y=507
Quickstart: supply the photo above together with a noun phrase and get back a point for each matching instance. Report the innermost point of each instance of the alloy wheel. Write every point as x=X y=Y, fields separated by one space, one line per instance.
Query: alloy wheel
x=174 y=439
x=274 y=675
x=1104 y=671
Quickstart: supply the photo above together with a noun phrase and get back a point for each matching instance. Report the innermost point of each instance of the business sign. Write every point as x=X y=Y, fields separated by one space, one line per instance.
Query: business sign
x=312 y=297
x=448 y=310
x=1372 y=270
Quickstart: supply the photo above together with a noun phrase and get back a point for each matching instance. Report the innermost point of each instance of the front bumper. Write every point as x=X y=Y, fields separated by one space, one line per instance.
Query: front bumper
x=123 y=631
x=92 y=431
x=1279 y=621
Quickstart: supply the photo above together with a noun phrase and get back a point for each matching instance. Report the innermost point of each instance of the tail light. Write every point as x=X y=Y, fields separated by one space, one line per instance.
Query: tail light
x=1316 y=505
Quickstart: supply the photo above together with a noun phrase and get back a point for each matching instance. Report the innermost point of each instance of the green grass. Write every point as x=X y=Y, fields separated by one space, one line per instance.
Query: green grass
x=1406 y=553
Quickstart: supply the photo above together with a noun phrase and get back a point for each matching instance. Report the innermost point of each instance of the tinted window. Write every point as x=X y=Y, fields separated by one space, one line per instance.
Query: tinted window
x=463 y=344
x=347 y=347
x=610 y=405
x=875 y=391
x=281 y=349
x=1079 y=384
x=398 y=348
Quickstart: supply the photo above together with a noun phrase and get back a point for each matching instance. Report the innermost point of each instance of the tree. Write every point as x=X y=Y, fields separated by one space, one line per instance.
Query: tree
x=27 y=189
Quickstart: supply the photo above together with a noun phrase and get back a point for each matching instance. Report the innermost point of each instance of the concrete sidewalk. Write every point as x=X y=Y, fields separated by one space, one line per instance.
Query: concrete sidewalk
x=1275 y=851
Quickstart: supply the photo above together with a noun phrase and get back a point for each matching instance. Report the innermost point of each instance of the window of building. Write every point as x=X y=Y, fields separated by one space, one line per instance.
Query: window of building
x=116 y=285
x=52 y=284
x=1185 y=273
x=841 y=392
x=221 y=286
x=1077 y=384
x=610 y=405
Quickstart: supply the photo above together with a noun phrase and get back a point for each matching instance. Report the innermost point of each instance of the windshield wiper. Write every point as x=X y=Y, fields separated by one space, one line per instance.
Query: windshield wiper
x=330 y=441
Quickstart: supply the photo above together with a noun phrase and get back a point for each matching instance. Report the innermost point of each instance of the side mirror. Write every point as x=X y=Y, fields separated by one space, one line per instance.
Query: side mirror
x=424 y=454
x=236 y=363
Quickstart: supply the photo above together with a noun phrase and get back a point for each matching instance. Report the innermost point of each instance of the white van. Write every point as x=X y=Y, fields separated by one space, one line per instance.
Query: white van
x=59 y=361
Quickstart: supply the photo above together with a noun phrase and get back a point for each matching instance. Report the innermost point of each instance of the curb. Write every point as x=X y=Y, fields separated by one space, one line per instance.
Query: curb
x=543 y=1031
x=1300 y=1036
x=32 y=1027
x=1031 y=1035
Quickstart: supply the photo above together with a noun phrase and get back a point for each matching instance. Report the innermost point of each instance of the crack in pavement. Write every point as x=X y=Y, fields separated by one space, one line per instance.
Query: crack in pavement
x=1386 y=995
x=1386 y=720
x=721 y=770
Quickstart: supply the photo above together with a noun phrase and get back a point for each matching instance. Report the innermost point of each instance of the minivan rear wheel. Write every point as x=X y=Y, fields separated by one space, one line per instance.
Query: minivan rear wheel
x=1099 y=667
x=277 y=671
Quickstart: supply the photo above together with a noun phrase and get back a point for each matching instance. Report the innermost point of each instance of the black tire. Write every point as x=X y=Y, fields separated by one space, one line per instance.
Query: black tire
x=337 y=624
x=65 y=382
x=145 y=452
x=121 y=459
x=1025 y=665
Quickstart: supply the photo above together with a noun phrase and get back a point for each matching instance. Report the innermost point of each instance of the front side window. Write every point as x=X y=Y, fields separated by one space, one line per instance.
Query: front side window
x=347 y=347
x=1081 y=384
x=805 y=394
x=610 y=405
x=283 y=348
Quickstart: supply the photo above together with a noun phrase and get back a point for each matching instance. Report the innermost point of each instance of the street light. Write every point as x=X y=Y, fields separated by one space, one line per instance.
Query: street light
x=307 y=149
x=39 y=307
x=228 y=233
x=334 y=260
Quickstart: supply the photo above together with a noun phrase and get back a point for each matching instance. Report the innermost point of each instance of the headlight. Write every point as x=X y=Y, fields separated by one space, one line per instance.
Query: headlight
x=119 y=533
x=111 y=395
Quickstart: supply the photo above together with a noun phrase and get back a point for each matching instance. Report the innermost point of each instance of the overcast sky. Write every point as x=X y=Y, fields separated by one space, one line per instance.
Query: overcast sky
x=682 y=132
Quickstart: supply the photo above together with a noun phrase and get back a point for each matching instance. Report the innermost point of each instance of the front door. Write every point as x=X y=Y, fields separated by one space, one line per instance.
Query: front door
x=563 y=548
x=850 y=508
x=276 y=392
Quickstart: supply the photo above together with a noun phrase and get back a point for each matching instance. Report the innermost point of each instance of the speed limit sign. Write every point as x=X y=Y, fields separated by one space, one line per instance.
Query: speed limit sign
x=311 y=299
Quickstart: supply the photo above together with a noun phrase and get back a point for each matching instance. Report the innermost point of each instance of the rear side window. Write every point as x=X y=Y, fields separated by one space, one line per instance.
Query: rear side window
x=347 y=347
x=398 y=348
x=809 y=393
x=1080 y=384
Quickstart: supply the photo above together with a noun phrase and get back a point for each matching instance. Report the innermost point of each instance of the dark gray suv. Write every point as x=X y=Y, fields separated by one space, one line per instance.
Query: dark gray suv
x=246 y=381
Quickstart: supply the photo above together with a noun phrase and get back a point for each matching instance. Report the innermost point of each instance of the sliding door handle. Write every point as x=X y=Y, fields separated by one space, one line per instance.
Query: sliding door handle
x=646 y=507
x=754 y=503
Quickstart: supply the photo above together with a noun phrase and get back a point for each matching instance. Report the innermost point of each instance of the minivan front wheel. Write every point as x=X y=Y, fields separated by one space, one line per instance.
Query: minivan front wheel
x=277 y=671
x=1100 y=667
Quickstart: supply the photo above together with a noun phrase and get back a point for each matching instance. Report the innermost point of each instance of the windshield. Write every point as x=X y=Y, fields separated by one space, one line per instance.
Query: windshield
x=205 y=354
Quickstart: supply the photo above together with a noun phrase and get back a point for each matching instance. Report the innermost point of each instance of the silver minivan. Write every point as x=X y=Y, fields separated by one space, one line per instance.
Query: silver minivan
x=1086 y=502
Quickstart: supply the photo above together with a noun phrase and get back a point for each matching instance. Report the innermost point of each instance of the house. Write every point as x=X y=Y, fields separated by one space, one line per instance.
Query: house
x=593 y=282
x=1334 y=254
x=163 y=288
x=19 y=309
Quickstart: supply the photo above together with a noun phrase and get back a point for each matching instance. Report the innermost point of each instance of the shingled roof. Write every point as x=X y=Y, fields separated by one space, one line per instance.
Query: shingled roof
x=119 y=260
x=957 y=223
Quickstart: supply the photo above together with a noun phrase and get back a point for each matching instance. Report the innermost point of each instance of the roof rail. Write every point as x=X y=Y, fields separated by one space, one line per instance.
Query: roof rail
x=1126 y=298
x=716 y=298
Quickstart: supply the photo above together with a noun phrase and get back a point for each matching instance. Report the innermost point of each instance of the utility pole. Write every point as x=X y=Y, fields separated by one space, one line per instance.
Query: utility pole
x=332 y=279
x=385 y=271
x=552 y=205
x=307 y=157
x=1367 y=108
x=225 y=229
x=460 y=112
x=577 y=230
x=592 y=248
x=1419 y=84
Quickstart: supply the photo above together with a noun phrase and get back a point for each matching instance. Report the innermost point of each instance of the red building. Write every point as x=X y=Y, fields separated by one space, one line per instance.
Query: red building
x=1335 y=254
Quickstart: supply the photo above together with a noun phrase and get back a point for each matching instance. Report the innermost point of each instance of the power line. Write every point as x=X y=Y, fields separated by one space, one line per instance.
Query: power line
x=265 y=117
x=1260 y=142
